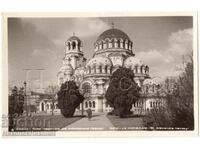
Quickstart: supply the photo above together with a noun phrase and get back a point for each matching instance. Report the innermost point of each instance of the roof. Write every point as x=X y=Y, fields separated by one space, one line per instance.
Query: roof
x=66 y=67
x=74 y=38
x=133 y=61
x=99 y=61
x=113 y=33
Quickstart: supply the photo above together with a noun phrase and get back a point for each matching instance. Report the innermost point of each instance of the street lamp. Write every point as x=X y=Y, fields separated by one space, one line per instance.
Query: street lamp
x=26 y=102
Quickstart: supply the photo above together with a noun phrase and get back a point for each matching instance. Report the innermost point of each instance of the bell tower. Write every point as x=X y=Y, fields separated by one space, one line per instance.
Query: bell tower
x=74 y=52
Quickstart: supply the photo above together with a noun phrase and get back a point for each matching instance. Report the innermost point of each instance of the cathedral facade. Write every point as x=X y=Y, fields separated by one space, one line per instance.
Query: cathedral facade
x=112 y=49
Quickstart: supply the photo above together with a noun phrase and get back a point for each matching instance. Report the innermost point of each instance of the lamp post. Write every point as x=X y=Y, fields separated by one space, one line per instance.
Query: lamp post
x=26 y=102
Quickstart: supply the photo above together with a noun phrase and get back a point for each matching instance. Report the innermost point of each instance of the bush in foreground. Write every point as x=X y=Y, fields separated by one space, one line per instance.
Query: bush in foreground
x=122 y=92
x=69 y=98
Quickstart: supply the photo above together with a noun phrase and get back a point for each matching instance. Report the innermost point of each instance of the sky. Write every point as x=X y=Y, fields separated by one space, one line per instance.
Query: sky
x=39 y=43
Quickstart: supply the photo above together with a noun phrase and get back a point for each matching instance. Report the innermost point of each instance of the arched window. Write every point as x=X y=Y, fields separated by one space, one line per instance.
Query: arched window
x=47 y=106
x=113 y=43
x=86 y=88
x=124 y=44
x=100 y=69
x=86 y=105
x=90 y=104
x=73 y=45
x=118 y=43
x=141 y=69
x=79 y=45
x=130 y=46
x=93 y=104
x=102 y=45
x=106 y=67
x=151 y=104
x=146 y=70
x=42 y=105
x=69 y=46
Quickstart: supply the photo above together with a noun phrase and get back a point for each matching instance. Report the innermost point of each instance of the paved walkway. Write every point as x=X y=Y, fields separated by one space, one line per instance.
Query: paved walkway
x=98 y=122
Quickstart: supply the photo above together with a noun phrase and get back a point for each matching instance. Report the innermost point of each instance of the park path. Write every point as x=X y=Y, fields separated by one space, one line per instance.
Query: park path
x=98 y=122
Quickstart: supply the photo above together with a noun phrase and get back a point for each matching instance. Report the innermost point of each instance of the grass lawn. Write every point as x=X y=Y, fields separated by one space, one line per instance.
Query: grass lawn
x=44 y=122
x=132 y=123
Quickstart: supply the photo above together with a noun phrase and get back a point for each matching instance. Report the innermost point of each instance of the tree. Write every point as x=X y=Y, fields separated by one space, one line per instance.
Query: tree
x=69 y=98
x=180 y=100
x=179 y=110
x=16 y=105
x=122 y=91
x=52 y=90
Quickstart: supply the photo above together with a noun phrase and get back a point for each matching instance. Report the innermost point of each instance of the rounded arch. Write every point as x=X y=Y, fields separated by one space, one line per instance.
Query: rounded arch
x=47 y=106
x=102 y=45
x=90 y=104
x=73 y=45
x=93 y=104
x=113 y=43
x=86 y=88
x=100 y=68
x=42 y=106
x=86 y=104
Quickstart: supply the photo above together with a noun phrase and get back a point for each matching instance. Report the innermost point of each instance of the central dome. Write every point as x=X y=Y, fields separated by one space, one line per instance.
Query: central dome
x=113 y=33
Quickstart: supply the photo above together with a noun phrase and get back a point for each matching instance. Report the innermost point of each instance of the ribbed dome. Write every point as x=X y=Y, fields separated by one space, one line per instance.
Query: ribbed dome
x=66 y=67
x=79 y=71
x=99 y=61
x=113 y=33
x=132 y=61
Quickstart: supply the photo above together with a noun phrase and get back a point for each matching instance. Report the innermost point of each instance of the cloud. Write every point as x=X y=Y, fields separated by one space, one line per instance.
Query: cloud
x=89 y=27
x=164 y=62
x=181 y=42
x=44 y=53
x=64 y=28
x=154 y=57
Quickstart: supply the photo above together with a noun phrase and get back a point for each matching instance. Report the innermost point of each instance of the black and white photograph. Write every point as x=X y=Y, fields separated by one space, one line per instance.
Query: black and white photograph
x=100 y=73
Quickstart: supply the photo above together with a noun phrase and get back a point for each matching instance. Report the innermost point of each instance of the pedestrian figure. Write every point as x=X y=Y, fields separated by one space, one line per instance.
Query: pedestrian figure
x=89 y=112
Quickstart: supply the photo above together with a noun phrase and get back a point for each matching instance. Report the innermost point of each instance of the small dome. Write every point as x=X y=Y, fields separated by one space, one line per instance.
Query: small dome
x=66 y=67
x=113 y=33
x=79 y=71
x=154 y=81
x=132 y=61
x=74 y=38
x=99 y=61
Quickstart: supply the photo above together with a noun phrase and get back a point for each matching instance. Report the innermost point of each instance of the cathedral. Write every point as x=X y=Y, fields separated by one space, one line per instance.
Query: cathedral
x=112 y=49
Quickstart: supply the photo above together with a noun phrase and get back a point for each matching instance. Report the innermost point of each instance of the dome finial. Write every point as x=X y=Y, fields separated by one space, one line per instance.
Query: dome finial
x=112 y=24
x=73 y=34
